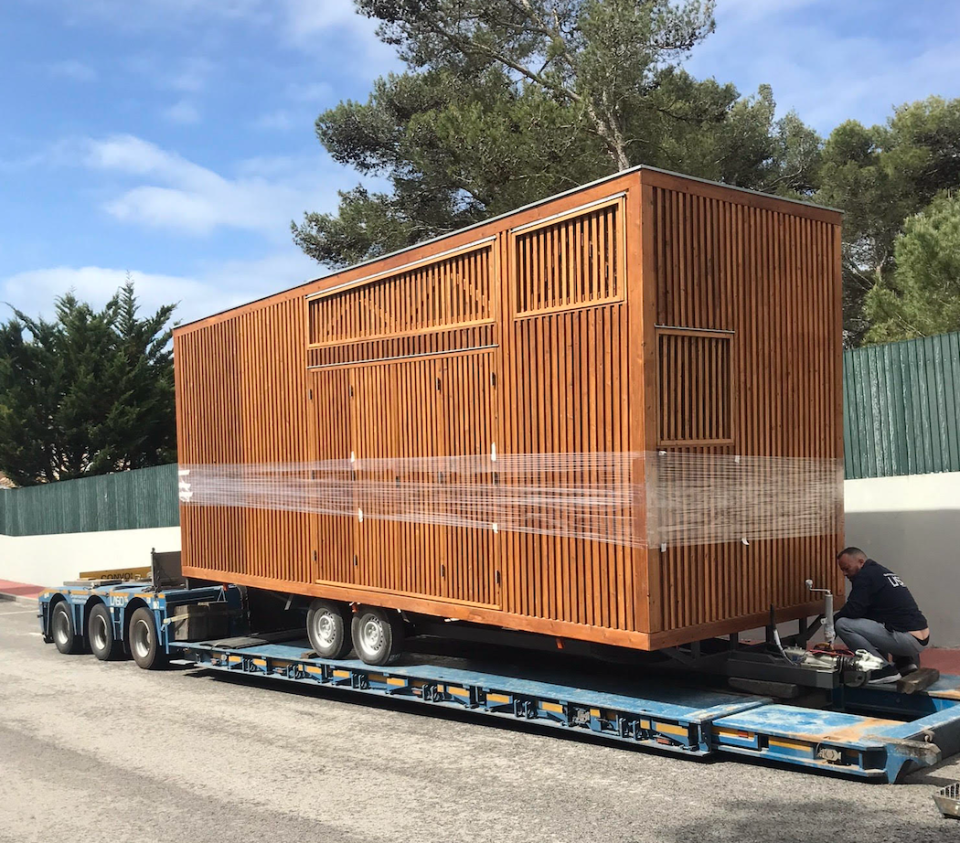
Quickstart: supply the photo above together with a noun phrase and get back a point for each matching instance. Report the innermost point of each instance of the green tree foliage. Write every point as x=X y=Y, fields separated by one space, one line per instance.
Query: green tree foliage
x=880 y=177
x=507 y=101
x=922 y=295
x=88 y=393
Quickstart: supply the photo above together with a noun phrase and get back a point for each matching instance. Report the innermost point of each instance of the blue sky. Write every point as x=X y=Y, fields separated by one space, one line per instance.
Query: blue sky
x=173 y=139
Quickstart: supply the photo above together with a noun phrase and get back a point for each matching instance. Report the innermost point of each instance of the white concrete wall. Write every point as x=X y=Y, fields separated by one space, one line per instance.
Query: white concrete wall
x=49 y=560
x=912 y=526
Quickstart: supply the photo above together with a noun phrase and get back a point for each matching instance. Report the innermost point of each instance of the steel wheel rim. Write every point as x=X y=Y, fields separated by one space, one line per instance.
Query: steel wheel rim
x=371 y=634
x=142 y=635
x=99 y=632
x=325 y=628
x=61 y=626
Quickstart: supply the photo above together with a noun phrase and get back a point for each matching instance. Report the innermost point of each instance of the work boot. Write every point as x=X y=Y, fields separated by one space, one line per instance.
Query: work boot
x=884 y=676
x=905 y=664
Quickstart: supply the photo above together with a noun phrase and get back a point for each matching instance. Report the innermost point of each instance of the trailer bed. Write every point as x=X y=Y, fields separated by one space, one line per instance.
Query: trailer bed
x=686 y=719
x=869 y=732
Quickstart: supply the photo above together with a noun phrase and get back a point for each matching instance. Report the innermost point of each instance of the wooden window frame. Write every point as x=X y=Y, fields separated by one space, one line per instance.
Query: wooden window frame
x=706 y=333
x=486 y=243
x=618 y=200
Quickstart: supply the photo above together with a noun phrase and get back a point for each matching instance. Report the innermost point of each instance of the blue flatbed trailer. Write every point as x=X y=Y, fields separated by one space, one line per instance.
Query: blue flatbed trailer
x=873 y=732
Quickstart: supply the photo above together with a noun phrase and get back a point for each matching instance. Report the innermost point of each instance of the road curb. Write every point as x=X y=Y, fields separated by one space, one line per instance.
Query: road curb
x=17 y=598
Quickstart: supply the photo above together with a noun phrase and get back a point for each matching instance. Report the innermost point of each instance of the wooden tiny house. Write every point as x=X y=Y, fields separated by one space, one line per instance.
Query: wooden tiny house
x=484 y=426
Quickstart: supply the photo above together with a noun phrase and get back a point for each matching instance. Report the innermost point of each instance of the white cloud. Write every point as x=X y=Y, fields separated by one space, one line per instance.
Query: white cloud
x=190 y=75
x=185 y=197
x=216 y=287
x=183 y=112
x=281 y=120
x=313 y=92
x=304 y=21
x=72 y=69
x=826 y=62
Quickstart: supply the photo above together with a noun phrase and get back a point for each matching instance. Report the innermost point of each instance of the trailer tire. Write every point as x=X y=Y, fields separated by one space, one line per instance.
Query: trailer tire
x=103 y=643
x=64 y=631
x=377 y=635
x=144 y=641
x=328 y=628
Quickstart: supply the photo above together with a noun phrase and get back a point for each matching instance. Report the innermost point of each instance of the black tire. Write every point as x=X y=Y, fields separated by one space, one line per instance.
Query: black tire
x=144 y=641
x=377 y=635
x=328 y=628
x=103 y=643
x=63 y=631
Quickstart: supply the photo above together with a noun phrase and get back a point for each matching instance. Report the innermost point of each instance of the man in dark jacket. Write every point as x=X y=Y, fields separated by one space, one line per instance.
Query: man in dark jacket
x=880 y=616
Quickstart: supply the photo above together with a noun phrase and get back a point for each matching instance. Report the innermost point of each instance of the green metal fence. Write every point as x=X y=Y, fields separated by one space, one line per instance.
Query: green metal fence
x=901 y=408
x=128 y=500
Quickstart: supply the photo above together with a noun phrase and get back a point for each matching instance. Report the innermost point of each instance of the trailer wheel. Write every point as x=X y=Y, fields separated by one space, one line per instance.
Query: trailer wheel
x=144 y=641
x=377 y=635
x=64 y=632
x=328 y=629
x=103 y=643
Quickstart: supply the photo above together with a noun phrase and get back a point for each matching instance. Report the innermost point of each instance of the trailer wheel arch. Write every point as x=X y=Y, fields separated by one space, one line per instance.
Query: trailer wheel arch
x=73 y=644
x=128 y=610
x=94 y=600
x=48 y=627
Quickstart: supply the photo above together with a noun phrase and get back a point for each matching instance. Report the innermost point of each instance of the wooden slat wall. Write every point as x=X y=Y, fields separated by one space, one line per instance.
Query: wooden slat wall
x=240 y=391
x=772 y=278
x=566 y=392
x=695 y=388
x=537 y=336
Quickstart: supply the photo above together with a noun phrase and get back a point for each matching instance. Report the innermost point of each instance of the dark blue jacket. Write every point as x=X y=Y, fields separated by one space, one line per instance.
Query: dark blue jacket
x=879 y=595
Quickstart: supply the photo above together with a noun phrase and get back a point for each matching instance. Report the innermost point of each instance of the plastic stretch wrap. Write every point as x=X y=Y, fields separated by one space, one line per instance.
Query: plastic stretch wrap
x=651 y=499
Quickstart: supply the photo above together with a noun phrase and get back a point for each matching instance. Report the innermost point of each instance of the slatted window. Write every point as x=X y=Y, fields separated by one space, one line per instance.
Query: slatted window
x=574 y=261
x=452 y=292
x=695 y=372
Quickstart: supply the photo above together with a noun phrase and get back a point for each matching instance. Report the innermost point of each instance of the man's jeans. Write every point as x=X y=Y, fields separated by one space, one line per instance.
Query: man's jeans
x=875 y=638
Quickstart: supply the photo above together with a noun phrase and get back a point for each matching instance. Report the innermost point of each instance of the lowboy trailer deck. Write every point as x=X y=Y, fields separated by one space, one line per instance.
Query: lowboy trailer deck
x=875 y=733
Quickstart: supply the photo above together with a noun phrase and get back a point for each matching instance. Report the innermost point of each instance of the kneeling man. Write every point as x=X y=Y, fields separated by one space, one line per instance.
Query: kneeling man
x=880 y=616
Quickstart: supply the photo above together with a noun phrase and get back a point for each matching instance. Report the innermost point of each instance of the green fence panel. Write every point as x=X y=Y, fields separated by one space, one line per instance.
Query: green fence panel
x=901 y=408
x=128 y=500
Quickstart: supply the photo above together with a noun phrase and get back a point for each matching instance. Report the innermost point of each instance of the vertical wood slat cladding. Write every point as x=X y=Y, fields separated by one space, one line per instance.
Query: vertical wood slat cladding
x=770 y=277
x=568 y=276
x=240 y=390
x=529 y=335
x=573 y=262
x=695 y=383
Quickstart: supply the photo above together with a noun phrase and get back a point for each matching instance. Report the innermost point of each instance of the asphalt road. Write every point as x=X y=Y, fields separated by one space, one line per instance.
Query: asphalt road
x=93 y=751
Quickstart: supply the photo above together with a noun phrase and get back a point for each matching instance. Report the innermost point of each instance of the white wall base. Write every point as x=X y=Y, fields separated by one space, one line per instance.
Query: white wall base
x=50 y=560
x=912 y=526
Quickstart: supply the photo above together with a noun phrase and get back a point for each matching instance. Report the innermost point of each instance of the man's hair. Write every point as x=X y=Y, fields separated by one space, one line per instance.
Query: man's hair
x=855 y=552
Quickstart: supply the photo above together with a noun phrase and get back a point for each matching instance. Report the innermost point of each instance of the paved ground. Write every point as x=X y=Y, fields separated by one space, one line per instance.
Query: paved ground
x=104 y=751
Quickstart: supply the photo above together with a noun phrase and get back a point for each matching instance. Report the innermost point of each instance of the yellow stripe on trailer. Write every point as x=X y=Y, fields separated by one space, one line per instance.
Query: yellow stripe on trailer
x=736 y=734
x=554 y=707
x=260 y=662
x=342 y=674
x=388 y=680
x=784 y=743
x=116 y=574
x=235 y=659
x=671 y=729
x=458 y=692
x=314 y=670
x=497 y=698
